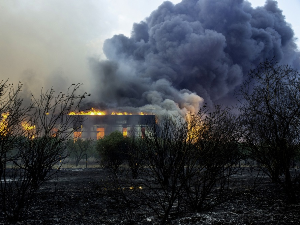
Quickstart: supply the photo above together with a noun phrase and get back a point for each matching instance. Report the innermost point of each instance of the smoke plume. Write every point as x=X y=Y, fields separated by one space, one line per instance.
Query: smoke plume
x=191 y=49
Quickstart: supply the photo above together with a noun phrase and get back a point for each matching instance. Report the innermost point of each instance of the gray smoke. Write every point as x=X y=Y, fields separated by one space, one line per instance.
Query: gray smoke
x=195 y=48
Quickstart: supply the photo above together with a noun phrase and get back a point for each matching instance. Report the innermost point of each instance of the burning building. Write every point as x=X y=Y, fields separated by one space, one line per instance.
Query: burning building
x=181 y=56
x=194 y=51
x=96 y=125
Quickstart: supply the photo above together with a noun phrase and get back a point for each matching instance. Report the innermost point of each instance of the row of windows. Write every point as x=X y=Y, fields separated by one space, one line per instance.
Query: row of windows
x=101 y=133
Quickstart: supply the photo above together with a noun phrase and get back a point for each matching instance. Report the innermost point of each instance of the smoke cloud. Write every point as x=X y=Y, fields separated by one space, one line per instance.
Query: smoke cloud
x=194 y=51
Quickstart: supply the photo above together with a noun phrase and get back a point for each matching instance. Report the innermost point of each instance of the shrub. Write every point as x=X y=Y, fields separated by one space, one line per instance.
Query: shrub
x=113 y=150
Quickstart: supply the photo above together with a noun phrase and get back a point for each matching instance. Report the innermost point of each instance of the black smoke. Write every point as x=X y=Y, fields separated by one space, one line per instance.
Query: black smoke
x=191 y=49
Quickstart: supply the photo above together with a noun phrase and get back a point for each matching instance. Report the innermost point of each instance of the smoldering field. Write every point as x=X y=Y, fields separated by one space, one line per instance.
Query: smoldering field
x=87 y=196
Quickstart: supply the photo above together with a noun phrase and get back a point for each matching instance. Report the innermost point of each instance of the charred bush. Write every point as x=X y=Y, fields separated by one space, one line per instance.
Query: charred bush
x=187 y=164
x=32 y=142
x=270 y=117
x=213 y=159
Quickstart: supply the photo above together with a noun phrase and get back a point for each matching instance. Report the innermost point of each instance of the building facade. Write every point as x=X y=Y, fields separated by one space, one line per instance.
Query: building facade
x=96 y=127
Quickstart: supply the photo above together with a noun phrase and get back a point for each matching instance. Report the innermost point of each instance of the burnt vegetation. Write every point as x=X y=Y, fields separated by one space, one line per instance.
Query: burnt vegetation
x=32 y=144
x=214 y=167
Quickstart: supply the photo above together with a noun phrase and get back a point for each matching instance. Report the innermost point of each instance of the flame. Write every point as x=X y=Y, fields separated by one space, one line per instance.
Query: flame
x=77 y=134
x=29 y=129
x=97 y=112
x=125 y=132
x=196 y=128
x=121 y=113
x=100 y=132
x=92 y=112
x=3 y=123
x=26 y=126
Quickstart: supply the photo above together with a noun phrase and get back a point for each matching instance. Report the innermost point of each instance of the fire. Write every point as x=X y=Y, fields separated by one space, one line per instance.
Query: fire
x=92 y=112
x=26 y=126
x=120 y=113
x=97 y=112
x=100 y=132
x=77 y=134
x=125 y=133
x=196 y=128
x=3 y=123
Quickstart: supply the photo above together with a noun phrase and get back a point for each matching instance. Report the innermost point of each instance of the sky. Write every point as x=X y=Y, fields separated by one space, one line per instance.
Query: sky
x=48 y=43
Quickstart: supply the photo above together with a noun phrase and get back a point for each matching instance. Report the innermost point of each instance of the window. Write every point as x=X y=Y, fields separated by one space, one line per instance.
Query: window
x=55 y=130
x=77 y=134
x=124 y=131
x=100 y=132
x=143 y=132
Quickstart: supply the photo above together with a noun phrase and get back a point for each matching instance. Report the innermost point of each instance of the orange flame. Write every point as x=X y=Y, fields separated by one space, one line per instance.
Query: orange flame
x=3 y=123
x=29 y=129
x=27 y=126
x=120 y=113
x=196 y=128
x=92 y=112
x=96 y=112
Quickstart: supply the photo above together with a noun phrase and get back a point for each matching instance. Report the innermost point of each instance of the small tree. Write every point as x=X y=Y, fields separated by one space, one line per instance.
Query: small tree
x=270 y=116
x=214 y=157
x=33 y=142
x=79 y=148
x=12 y=114
x=189 y=159
x=135 y=155
x=113 y=150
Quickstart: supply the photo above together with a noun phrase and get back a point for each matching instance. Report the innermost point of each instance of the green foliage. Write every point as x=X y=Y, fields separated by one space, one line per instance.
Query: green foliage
x=113 y=150
x=135 y=155
x=81 y=148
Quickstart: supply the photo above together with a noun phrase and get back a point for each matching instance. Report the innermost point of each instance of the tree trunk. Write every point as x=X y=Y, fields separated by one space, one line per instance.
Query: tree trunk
x=275 y=175
x=289 y=187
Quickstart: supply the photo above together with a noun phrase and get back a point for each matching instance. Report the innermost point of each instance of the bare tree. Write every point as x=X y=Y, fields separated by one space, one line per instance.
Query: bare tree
x=12 y=113
x=214 y=157
x=270 y=116
x=188 y=162
x=34 y=138
x=167 y=147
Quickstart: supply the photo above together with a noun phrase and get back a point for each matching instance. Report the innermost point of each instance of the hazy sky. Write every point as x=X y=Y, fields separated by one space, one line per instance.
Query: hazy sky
x=49 y=42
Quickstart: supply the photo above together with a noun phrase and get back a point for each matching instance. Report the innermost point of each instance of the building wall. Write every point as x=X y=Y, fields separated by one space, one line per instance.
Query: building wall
x=96 y=127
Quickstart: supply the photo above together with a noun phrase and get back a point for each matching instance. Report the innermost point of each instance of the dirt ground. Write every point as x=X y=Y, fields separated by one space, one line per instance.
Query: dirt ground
x=79 y=196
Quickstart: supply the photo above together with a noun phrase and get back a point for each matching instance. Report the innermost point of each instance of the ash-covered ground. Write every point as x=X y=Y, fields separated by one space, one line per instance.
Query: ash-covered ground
x=87 y=196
